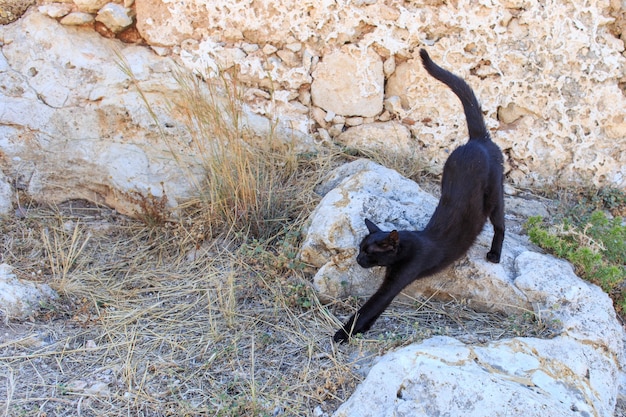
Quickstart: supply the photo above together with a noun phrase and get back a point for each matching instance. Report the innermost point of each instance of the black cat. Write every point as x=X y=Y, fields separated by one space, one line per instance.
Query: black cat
x=471 y=192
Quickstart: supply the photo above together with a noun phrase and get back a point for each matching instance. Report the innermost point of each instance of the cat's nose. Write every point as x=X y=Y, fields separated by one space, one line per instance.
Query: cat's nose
x=362 y=261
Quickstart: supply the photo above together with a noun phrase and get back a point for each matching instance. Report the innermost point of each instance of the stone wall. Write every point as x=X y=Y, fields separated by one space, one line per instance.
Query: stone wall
x=550 y=75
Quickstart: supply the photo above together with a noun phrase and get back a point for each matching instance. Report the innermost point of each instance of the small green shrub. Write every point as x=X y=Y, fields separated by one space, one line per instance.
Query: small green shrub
x=582 y=204
x=597 y=248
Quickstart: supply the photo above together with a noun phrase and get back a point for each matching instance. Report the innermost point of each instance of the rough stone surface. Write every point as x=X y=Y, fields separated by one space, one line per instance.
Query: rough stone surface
x=115 y=17
x=359 y=94
x=19 y=299
x=77 y=19
x=6 y=195
x=388 y=137
x=544 y=97
x=313 y=67
x=11 y=10
x=90 y=6
x=70 y=119
x=363 y=189
x=577 y=373
x=55 y=10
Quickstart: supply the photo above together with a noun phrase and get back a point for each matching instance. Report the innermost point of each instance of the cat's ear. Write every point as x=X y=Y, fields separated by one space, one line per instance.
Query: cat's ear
x=393 y=240
x=371 y=226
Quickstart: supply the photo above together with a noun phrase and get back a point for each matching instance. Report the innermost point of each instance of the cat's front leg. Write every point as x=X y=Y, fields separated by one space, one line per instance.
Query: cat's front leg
x=342 y=335
x=355 y=325
x=374 y=307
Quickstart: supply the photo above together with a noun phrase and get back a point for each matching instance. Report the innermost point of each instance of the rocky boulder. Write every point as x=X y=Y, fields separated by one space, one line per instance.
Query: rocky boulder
x=6 y=195
x=361 y=94
x=70 y=118
x=73 y=124
x=577 y=373
x=389 y=138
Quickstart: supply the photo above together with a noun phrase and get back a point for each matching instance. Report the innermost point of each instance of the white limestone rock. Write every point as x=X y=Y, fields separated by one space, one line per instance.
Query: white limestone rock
x=585 y=311
x=517 y=377
x=19 y=299
x=115 y=17
x=358 y=94
x=55 y=10
x=77 y=19
x=6 y=195
x=576 y=373
x=389 y=138
x=72 y=124
x=363 y=189
x=90 y=6
x=163 y=24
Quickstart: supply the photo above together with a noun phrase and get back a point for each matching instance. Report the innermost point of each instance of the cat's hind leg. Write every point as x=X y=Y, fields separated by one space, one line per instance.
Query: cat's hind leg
x=497 y=220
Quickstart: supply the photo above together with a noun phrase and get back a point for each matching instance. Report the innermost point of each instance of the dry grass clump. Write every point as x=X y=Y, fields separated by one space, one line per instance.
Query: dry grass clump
x=152 y=322
x=248 y=183
x=169 y=328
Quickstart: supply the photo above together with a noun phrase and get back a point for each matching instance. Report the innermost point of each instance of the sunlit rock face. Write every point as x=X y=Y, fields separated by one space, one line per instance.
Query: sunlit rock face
x=552 y=93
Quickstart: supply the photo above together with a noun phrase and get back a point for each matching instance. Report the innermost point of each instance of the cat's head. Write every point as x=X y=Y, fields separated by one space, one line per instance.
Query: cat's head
x=378 y=248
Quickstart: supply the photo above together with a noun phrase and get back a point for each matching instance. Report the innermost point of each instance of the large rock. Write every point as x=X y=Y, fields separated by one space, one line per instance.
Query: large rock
x=363 y=189
x=389 y=138
x=576 y=373
x=73 y=125
x=115 y=17
x=20 y=299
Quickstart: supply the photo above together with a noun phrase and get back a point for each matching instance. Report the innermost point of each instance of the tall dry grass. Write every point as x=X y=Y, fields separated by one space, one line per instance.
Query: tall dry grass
x=252 y=184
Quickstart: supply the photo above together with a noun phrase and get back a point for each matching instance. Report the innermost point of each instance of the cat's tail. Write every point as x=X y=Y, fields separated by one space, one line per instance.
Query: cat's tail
x=471 y=106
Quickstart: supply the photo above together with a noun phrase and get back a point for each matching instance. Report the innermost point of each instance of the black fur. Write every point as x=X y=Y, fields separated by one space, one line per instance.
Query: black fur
x=471 y=193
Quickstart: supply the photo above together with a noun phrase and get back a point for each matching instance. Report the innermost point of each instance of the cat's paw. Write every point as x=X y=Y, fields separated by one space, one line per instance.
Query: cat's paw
x=341 y=336
x=493 y=257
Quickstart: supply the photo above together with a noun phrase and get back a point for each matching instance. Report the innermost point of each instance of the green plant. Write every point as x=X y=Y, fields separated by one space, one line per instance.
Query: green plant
x=597 y=248
x=587 y=200
x=300 y=295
